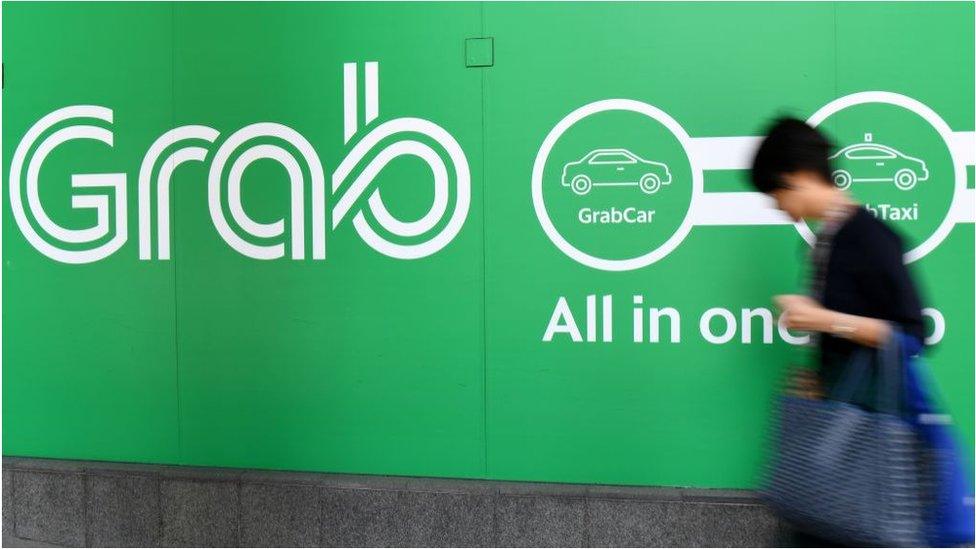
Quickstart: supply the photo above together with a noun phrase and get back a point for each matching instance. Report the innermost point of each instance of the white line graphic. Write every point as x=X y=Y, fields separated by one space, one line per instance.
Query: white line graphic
x=350 y=97
x=723 y=153
x=349 y=101
x=964 y=147
x=964 y=206
x=372 y=91
x=738 y=208
x=735 y=153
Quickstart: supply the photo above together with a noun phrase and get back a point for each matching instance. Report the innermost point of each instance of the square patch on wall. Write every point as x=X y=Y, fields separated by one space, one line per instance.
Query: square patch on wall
x=479 y=52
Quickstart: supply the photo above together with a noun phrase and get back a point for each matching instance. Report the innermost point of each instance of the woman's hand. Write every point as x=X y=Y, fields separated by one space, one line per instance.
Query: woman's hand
x=800 y=312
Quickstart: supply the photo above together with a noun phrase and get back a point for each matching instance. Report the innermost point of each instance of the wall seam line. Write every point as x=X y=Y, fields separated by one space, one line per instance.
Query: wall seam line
x=484 y=254
x=176 y=313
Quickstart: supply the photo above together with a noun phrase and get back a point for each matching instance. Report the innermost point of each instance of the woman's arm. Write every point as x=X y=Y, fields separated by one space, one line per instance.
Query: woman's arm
x=803 y=313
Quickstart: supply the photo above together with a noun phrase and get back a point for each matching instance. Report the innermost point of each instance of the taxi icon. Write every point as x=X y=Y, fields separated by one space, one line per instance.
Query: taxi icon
x=871 y=162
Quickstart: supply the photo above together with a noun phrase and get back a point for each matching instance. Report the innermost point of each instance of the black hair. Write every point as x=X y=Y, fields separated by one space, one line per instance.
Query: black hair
x=790 y=145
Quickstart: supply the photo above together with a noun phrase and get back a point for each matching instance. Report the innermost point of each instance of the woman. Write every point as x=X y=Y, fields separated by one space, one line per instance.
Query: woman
x=860 y=285
x=860 y=289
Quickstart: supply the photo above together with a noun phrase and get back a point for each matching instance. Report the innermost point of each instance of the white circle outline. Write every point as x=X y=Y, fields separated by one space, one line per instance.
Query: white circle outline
x=542 y=157
x=944 y=131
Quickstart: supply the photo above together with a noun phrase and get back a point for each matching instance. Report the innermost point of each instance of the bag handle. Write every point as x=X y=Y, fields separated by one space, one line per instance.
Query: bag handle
x=853 y=375
x=891 y=370
x=891 y=375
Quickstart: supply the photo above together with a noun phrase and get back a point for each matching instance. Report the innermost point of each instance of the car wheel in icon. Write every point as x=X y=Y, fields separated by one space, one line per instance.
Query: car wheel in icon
x=581 y=184
x=650 y=183
x=842 y=178
x=905 y=179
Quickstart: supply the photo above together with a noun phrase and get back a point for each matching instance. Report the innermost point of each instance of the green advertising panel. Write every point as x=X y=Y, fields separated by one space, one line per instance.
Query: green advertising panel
x=481 y=240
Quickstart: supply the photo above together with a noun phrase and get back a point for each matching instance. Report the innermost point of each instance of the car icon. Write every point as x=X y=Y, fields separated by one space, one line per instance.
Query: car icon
x=614 y=167
x=874 y=162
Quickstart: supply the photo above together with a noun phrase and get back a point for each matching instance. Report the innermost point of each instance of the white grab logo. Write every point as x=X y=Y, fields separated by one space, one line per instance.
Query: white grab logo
x=260 y=141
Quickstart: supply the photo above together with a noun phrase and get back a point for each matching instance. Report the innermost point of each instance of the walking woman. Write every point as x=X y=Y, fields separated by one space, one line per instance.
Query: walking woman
x=827 y=477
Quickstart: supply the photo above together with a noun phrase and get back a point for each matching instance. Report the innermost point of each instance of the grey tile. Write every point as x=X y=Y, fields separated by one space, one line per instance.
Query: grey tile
x=631 y=523
x=711 y=495
x=434 y=519
x=206 y=474
x=514 y=488
x=8 y=503
x=50 y=507
x=331 y=480
x=123 y=511
x=12 y=462
x=9 y=541
x=603 y=491
x=738 y=526
x=199 y=513
x=265 y=476
x=647 y=493
x=134 y=504
x=634 y=523
x=45 y=465
x=364 y=482
x=279 y=515
x=450 y=485
x=527 y=521
x=361 y=518
x=113 y=468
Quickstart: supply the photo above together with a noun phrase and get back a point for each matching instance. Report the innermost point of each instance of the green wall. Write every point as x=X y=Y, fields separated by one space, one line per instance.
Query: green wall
x=422 y=348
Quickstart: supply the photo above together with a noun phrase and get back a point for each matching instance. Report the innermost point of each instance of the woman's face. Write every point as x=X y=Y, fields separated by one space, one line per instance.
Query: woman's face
x=790 y=200
x=804 y=195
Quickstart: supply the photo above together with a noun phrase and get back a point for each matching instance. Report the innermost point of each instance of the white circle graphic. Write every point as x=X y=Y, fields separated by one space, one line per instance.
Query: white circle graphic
x=944 y=131
x=542 y=157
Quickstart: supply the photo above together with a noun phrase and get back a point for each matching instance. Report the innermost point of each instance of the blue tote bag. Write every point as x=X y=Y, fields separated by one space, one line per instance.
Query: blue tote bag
x=950 y=516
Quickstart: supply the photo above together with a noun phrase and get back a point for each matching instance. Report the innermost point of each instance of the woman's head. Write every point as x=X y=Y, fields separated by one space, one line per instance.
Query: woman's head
x=792 y=165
